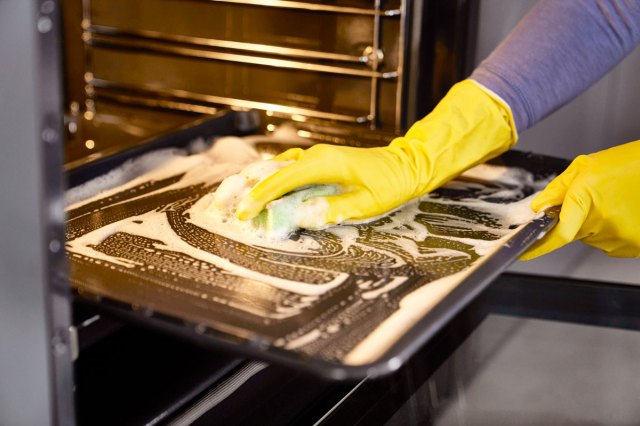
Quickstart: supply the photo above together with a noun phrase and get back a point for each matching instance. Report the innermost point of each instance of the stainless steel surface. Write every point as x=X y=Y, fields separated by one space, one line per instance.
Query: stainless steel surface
x=50 y=100
x=35 y=364
x=527 y=371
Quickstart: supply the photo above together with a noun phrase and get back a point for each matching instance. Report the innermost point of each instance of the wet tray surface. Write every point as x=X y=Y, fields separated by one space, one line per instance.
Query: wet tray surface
x=345 y=302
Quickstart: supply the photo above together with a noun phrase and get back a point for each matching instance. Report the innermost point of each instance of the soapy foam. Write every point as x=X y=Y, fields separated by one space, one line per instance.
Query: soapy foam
x=229 y=155
x=414 y=307
x=310 y=215
x=128 y=171
x=501 y=174
x=511 y=214
x=209 y=217
x=156 y=227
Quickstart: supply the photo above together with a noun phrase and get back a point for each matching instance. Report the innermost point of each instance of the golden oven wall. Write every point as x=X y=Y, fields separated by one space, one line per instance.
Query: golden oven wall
x=375 y=64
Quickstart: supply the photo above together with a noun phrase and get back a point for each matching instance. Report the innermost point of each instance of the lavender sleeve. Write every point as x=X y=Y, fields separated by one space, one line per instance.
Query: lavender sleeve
x=560 y=48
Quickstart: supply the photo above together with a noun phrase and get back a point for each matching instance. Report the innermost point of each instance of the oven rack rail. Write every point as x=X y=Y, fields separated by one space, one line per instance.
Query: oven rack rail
x=184 y=100
x=195 y=47
x=316 y=7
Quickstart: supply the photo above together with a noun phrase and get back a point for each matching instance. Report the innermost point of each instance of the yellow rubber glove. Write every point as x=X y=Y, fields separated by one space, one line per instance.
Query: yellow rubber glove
x=468 y=126
x=600 y=203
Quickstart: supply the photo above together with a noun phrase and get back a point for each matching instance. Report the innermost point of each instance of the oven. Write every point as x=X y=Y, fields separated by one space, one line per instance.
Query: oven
x=156 y=74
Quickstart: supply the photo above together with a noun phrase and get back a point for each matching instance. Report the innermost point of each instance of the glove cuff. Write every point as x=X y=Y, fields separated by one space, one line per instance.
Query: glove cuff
x=503 y=105
x=469 y=126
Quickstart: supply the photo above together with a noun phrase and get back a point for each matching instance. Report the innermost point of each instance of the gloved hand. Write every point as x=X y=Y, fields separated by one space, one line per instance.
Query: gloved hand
x=600 y=203
x=468 y=126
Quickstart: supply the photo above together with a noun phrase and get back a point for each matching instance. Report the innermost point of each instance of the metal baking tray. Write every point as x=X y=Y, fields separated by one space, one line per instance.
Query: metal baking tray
x=345 y=294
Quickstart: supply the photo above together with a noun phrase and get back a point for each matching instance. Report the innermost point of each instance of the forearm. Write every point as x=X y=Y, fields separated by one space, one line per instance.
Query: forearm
x=558 y=50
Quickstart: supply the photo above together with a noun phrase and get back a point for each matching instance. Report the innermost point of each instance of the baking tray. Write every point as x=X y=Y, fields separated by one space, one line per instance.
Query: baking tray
x=244 y=297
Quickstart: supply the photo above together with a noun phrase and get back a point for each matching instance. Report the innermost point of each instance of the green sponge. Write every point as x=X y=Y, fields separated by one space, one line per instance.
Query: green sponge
x=278 y=218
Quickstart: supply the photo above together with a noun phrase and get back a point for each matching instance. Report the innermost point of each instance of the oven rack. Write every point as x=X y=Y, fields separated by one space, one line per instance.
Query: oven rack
x=193 y=102
x=366 y=65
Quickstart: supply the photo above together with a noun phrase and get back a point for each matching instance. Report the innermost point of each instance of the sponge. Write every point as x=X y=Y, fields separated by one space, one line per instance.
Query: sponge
x=280 y=217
